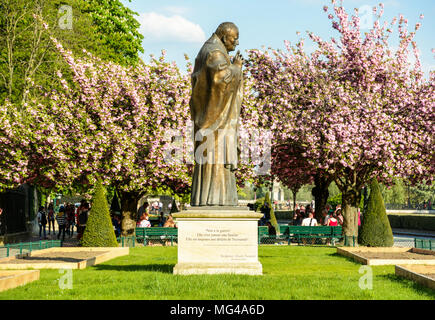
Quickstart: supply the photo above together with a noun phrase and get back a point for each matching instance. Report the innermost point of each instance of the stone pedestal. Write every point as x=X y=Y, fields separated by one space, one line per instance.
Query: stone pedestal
x=213 y=240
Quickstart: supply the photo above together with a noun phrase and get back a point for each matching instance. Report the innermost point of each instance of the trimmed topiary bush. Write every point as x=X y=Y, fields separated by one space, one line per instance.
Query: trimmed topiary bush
x=99 y=229
x=375 y=229
x=273 y=220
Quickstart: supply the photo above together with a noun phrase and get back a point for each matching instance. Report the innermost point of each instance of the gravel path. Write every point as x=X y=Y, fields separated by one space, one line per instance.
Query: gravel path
x=395 y=255
x=57 y=257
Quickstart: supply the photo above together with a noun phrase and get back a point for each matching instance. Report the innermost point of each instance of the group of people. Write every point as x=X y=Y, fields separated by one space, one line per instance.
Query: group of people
x=68 y=216
x=144 y=218
x=156 y=207
x=304 y=216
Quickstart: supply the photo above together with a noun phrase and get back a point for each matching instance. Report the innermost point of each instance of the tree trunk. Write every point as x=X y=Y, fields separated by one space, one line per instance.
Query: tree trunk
x=321 y=195
x=129 y=202
x=295 y=192
x=350 y=202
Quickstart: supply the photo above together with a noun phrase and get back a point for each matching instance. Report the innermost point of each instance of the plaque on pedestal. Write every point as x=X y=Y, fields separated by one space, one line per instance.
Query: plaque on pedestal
x=213 y=240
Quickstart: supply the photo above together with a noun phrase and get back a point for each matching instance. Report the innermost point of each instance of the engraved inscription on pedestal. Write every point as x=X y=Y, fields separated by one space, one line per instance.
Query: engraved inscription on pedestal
x=219 y=241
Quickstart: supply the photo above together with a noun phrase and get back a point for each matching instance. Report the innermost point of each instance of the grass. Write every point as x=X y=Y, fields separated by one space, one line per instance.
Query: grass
x=288 y=273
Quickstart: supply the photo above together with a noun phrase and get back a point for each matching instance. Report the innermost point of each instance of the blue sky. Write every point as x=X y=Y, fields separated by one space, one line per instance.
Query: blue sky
x=181 y=26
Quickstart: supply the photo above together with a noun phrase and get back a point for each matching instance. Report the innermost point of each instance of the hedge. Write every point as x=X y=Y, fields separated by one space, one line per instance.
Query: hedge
x=284 y=215
x=417 y=222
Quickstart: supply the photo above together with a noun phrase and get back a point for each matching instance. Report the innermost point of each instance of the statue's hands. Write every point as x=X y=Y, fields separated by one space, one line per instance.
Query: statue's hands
x=238 y=60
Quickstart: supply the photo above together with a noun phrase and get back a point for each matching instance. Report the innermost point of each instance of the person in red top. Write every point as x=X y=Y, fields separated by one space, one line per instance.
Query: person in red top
x=332 y=222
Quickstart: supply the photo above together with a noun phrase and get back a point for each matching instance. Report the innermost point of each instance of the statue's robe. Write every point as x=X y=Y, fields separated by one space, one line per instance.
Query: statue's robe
x=217 y=93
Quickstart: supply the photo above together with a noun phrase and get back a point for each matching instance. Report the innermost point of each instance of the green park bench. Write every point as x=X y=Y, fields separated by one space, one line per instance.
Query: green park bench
x=424 y=244
x=265 y=238
x=263 y=232
x=316 y=232
x=161 y=234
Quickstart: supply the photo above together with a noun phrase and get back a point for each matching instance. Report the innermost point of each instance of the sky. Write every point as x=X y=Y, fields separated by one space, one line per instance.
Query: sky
x=181 y=26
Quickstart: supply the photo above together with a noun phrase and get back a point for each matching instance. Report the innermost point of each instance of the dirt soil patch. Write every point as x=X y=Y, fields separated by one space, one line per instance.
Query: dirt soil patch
x=395 y=255
x=57 y=257
x=431 y=275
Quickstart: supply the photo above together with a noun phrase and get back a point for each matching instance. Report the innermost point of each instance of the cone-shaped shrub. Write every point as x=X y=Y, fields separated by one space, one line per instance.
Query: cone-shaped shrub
x=273 y=220
x=174 y=208
x=99 y=229
x=375 y=229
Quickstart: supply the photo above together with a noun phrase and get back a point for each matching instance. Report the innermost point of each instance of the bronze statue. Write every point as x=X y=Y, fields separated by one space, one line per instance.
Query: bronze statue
x=217 y=93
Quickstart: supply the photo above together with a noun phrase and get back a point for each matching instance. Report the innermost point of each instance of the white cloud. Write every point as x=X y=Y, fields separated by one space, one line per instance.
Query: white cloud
x=159 y=28
x=176 y=10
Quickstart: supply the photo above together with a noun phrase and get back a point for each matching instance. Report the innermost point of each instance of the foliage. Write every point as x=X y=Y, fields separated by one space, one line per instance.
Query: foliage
x=118 y=29
x=292 y=169
x=333 y=189
x=247 y=192
x=375 y=228
x=259 y=203
x=394 y=194
x=423 y=192
x=354 y=106
x=85 y=130
x=28 y=56
x=337 y=199
x=99 y=229
x=273 y=220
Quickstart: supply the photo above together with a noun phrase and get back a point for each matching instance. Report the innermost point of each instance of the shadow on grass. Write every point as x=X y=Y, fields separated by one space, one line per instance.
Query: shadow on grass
x=164 y=268
x=337 y=255
x=407 y=282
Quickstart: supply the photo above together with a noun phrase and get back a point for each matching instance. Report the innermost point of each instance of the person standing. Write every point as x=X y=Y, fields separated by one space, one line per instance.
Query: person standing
x=82 y=219
x=332 y=222
x=42 y=221
x=61 y=221
x=116 y=225
x=339 y=216
x=161 y=219
x=50 y=218
x=70 y=220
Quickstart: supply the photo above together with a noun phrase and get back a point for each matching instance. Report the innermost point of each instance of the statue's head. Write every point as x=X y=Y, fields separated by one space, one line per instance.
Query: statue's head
x=229 y=35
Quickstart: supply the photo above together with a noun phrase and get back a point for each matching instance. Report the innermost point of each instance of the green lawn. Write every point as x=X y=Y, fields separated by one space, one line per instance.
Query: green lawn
x=288 y=273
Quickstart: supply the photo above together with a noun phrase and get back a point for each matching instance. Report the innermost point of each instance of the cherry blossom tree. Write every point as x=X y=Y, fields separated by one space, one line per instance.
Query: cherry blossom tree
x=355 y=106
x=292 y=170
x=112 y=122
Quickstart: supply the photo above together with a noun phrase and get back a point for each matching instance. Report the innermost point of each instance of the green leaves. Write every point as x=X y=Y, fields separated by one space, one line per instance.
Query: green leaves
x=99 y=230
x=376 y=230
